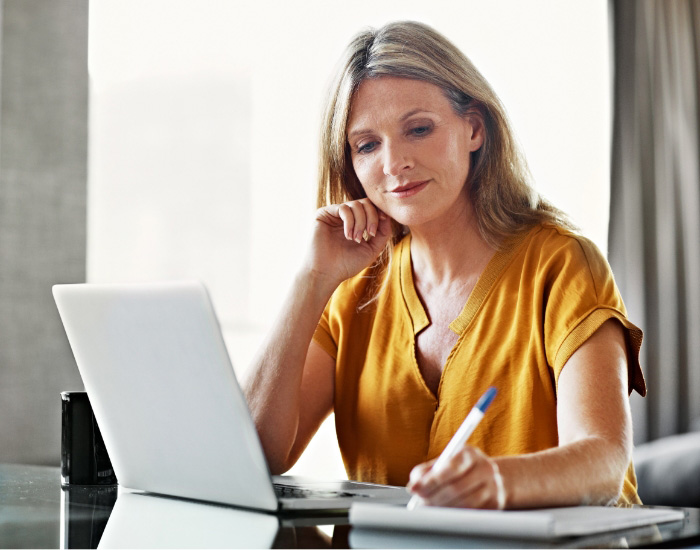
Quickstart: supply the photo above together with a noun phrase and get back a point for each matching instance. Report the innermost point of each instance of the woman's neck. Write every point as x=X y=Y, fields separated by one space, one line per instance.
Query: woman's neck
x=450 y=250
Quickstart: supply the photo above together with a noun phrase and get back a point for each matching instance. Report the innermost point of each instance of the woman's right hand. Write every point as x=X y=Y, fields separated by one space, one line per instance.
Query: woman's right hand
x=339 y=250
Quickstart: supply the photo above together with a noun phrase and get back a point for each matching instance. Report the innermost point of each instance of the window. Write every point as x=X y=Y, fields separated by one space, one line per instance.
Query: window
x=203 y=130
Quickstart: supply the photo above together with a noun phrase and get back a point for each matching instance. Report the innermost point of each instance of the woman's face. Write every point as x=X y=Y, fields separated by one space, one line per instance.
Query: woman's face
x=410 y=150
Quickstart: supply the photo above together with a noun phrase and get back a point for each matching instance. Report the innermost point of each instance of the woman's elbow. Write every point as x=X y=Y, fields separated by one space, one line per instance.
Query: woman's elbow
x=614 y=462
x=277 y=463
x=280 y=458
x=607 y=493
x=277 y=469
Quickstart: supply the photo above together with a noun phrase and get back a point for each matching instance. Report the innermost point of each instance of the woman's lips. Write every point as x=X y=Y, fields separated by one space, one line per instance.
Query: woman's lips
x=410 y=189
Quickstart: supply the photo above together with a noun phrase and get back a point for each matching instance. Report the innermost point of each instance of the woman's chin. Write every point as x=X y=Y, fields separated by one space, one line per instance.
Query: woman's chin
x=408 y=217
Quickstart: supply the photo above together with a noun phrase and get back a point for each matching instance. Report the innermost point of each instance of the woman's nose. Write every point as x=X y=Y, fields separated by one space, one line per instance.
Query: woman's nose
x=396 y=160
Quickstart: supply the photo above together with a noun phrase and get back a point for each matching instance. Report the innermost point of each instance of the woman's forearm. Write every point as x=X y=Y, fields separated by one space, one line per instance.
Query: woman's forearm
x=273 y=390
x=588 y=471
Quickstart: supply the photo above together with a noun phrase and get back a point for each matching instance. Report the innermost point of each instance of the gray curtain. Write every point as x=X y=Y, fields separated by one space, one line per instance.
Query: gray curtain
x=43 y=194
x=654 y=244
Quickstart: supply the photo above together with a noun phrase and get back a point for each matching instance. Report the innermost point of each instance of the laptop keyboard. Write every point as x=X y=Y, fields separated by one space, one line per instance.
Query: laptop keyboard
x=286 y=491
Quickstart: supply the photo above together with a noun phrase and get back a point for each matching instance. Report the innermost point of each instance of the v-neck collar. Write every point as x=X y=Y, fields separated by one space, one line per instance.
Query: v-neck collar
x=413 y=304
x=486 y=280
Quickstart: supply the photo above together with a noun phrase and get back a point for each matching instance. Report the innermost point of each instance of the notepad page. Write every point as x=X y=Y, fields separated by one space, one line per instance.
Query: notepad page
x=585 y=520
x=540 y=523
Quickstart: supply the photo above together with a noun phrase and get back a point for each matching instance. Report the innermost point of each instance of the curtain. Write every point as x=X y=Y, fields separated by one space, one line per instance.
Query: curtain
x=654 y=238
x=43 y=196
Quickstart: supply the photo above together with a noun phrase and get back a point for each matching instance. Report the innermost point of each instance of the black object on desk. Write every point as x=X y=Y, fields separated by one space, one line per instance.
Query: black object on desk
x=84 y=514
x=84 y=458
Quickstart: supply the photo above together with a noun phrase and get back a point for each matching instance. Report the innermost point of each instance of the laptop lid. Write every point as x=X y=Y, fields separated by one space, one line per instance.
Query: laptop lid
x=164 y=393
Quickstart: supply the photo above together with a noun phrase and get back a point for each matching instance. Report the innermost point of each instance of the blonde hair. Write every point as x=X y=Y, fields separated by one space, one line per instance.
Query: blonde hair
x=504 y=202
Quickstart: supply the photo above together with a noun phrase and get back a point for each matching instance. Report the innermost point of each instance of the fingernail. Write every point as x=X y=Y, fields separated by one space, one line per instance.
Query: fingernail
x=358 y=238
x=373 y=230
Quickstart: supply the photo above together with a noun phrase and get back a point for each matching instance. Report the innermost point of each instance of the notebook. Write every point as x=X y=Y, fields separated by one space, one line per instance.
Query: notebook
x=171 y=412
x=549 y=523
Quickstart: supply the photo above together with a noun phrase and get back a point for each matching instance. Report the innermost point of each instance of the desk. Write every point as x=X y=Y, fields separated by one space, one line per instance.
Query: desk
x=35 y=512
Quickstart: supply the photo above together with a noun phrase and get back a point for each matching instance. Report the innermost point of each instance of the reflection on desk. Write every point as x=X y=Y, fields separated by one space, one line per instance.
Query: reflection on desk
x=84 y=514
x=128 y=519
x=36 y=513
x=145 y=521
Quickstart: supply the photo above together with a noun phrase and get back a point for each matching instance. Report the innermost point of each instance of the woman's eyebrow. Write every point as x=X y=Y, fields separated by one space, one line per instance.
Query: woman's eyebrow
x=359 y=132
x=412 y=112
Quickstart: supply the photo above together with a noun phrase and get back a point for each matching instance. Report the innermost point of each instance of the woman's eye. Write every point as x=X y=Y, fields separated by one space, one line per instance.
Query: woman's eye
x=367 y=147
x=420 y=130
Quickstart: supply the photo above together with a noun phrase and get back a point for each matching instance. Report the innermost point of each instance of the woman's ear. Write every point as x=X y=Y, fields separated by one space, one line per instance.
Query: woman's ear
x=475 y=130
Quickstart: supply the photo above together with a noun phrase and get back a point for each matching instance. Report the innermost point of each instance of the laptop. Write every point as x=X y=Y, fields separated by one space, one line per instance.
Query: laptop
x=171 y=412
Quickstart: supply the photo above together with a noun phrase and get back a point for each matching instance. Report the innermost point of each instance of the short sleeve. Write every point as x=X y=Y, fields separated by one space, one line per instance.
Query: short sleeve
x=339 y=313
x=323 y=336
x=581 y=296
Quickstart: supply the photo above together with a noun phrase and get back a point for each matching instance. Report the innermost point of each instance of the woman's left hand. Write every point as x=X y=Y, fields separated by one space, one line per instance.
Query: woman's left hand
x=469 y=480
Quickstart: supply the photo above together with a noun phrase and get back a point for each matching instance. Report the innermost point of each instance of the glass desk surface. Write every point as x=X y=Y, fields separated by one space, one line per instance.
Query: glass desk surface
x=36 y=512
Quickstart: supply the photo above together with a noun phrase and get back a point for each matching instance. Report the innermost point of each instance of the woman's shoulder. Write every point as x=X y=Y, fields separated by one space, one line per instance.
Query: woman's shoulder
x=351 y=291
x=563 y=253
x=550 y=240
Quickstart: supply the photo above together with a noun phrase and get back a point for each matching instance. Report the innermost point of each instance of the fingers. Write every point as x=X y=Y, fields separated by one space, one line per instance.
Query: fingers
x=361 y=220
x=372 y=222
x=417 y=477
x=354 y=220
x=428 y=481
x=347 y=238
x=467 y=480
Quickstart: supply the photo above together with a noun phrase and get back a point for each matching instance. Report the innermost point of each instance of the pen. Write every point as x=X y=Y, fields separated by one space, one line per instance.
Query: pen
x=460 y=437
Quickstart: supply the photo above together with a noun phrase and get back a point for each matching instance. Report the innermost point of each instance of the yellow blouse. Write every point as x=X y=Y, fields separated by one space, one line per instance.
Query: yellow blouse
x=537 y=301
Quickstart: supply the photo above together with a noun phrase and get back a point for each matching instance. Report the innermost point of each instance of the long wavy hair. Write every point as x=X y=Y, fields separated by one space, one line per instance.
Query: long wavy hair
x=505 y=203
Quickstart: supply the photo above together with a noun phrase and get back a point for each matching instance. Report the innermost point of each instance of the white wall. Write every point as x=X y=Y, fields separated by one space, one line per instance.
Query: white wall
x=203 y=135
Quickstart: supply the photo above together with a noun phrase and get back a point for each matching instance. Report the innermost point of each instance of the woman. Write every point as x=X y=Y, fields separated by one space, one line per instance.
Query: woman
x=434 y=272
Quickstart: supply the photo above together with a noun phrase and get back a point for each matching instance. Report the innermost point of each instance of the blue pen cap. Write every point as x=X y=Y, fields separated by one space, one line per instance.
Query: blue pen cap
x=486 y=399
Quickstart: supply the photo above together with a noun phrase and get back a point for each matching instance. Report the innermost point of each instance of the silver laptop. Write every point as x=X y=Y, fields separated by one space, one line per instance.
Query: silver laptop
x=166 y=398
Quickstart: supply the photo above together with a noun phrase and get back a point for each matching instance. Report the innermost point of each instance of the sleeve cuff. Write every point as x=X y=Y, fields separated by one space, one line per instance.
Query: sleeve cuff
x=323 y=339
x=585 y=329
